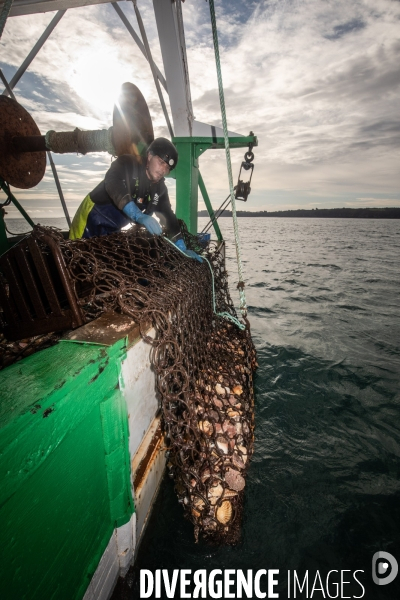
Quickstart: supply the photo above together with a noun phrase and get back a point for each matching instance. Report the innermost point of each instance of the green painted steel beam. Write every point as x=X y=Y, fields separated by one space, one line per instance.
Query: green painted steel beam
x=187 y=178
x=207 y=143
x=187 y=171
x=207 y=202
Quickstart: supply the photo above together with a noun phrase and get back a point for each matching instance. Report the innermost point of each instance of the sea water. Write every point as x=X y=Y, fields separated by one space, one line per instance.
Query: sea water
x=323 y=489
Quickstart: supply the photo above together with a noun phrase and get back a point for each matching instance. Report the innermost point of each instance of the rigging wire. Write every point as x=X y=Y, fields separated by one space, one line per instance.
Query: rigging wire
x=243 y=307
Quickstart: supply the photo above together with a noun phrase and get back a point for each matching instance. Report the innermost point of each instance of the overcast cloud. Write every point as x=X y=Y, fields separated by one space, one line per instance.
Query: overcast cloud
x=318 y=83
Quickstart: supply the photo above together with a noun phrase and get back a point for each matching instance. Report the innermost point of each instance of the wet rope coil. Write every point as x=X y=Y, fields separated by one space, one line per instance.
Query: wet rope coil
x=80 y=141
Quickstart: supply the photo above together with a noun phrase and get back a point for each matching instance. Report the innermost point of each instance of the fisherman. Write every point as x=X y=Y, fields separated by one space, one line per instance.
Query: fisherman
x=132 y=192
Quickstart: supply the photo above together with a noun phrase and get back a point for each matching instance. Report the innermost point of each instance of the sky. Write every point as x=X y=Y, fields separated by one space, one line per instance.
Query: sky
x=318 y=81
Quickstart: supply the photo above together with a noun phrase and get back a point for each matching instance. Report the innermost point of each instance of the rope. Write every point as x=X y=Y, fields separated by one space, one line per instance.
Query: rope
x=224 y=315
x=80 y=142
x=5 y=11
x=243 y=307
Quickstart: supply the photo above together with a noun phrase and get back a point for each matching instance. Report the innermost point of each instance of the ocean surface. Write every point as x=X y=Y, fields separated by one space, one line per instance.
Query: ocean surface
x=323 y=489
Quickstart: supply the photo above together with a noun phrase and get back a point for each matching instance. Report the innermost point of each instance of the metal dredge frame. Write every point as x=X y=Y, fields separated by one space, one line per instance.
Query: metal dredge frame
x=191 y=137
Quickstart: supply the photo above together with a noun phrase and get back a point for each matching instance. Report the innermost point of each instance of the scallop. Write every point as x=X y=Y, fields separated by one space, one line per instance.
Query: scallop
x=220 y=390
x=205 y=475
x=215 y=493
x=235 y=480
x=205 y=427
x=224 y=512
x=237 y=461
x=238 y=390
x=232 y=413
x=217 y=403
x=229 y=493
x=242 y=449
x=222 y=444
x=198 y=503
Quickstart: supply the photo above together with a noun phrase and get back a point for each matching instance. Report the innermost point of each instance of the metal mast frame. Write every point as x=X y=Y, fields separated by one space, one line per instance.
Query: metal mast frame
x=192 y=138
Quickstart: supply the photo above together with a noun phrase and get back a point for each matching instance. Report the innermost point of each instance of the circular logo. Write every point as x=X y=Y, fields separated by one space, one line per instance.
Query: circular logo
x=171 y=161
x=381 y=574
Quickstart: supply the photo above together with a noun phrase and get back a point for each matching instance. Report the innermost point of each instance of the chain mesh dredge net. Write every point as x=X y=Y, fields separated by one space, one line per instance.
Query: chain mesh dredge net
x=203 y=363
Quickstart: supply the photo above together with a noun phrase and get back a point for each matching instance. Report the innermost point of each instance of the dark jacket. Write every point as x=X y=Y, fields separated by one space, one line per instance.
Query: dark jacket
x=126 y=180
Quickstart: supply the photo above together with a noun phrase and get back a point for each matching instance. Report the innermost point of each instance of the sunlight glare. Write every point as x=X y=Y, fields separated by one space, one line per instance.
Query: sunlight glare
x=97 y=76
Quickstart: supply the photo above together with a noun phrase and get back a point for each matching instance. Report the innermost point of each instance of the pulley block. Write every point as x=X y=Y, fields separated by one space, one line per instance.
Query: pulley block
x=243 y=188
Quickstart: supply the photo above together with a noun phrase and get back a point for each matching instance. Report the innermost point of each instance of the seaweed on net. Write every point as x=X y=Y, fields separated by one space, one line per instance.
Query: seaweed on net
x=204 y=364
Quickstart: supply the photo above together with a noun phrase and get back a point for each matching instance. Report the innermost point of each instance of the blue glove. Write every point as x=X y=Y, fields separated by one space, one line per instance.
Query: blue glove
x=135 y=214
x=190 y=253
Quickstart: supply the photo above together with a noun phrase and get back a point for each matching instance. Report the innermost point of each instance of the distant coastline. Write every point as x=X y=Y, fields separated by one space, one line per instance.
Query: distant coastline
x=324 y=213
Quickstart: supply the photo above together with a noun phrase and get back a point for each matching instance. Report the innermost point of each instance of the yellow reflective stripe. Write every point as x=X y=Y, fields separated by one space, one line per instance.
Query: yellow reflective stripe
x=80 y=219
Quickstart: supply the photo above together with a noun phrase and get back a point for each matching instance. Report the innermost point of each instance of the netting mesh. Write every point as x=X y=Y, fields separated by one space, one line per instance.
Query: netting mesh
x=204 y=364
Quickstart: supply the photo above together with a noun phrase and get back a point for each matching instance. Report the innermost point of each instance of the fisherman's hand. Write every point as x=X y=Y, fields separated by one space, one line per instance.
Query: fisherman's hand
x=190 y=253
x=151 y=224
x=136 y=215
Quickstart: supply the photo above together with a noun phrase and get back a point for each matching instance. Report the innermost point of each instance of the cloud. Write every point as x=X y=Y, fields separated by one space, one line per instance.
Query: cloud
x=349 y=27
x=318 y=82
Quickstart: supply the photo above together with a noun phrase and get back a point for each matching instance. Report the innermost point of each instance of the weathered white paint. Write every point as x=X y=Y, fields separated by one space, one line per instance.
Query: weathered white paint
x=173 y=52
x=145 y=492
x=137 y=382
x=115 y=561
x=205 y=130
x=28 y=7
x=126 y=544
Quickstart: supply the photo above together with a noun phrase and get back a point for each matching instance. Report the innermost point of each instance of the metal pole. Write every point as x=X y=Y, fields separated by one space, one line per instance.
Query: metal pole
x=53 y=23
x=7 y=86
x=135 y=36
x=60 y=192
x=152 y=65
x=6 y=189
x=207 y=202
x=181 y=34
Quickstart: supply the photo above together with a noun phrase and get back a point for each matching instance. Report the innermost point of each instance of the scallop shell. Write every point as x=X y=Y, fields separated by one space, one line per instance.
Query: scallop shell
x=198 y=503
x=222 y=444
x=238 y=390
x=237 y=461
x=229 y=428
x=229 y=493
x=217 y=402
x=232 y=413
x=224 y=512
x=220 y=390
x=243 y=450
x=215 y=493
x=206 y=427
x=235 y=480
x=205 y=475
